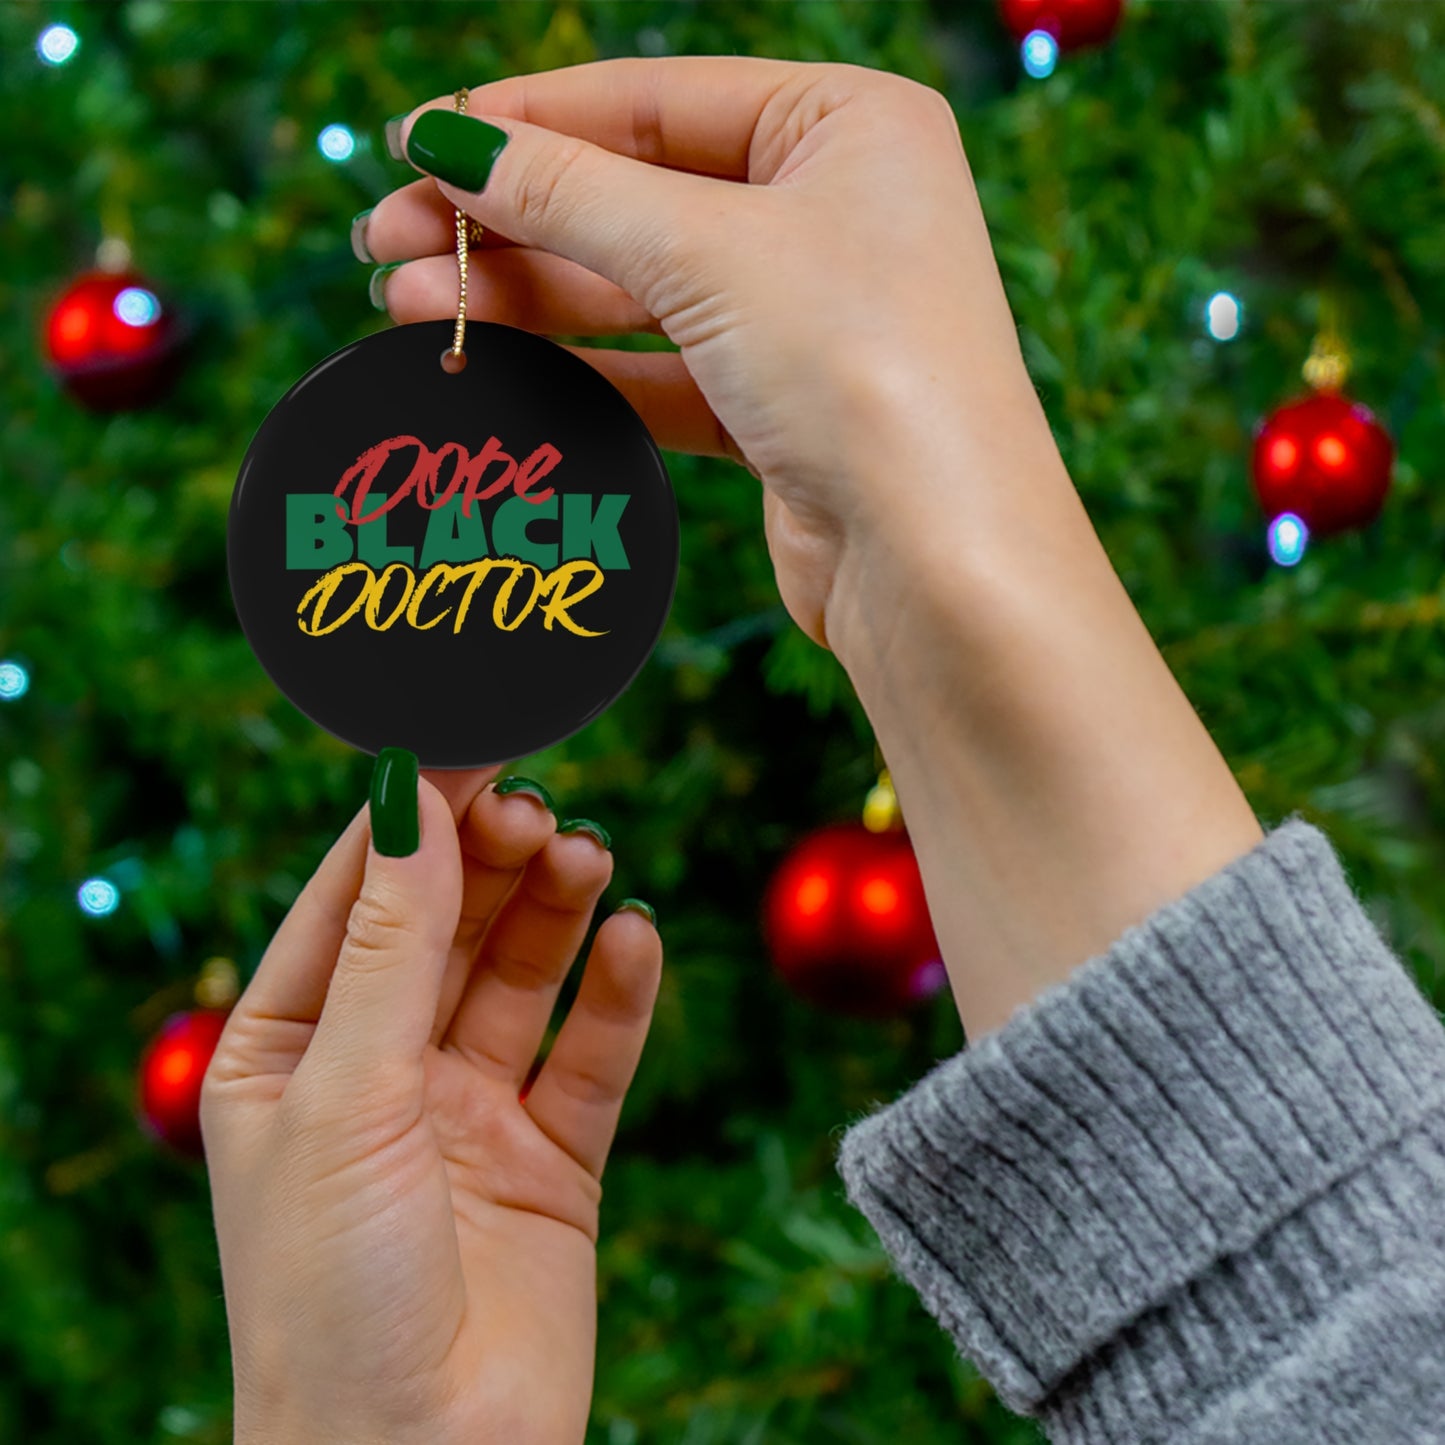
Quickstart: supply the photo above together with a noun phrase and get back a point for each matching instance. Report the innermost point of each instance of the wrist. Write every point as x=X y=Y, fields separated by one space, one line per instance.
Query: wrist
x=1057 y=784
x=948 y=520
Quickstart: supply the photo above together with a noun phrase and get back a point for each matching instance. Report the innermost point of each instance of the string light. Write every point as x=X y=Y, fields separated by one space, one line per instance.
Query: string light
x=14 y=681
x=1040 y=54
x=57 y=44
x=1288 y=537
x=1223 y=316
x=98 y=897
x=336 y=143
x=136 y=306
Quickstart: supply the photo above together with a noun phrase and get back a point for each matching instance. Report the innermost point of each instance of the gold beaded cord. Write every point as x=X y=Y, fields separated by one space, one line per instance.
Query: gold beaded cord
x=467 y=229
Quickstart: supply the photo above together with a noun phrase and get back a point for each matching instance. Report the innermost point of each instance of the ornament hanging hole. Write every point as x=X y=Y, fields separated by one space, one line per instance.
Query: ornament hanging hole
x=453 y=362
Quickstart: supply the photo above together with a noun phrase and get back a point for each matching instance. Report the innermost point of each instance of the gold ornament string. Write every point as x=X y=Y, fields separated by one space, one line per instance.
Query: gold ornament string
x=467 y=231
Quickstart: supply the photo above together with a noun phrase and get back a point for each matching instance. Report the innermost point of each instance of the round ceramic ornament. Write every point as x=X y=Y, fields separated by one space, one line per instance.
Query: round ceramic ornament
x=472 y=564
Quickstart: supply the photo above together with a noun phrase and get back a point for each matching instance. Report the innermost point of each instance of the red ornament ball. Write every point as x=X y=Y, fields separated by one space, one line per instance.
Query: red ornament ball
x=112 y=341
x=847 y=924
x=1073 y=23
x=171 y=1071
x=1324 y=458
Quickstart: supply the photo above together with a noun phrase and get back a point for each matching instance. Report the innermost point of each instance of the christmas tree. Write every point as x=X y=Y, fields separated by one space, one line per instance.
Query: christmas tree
x=1179 y=215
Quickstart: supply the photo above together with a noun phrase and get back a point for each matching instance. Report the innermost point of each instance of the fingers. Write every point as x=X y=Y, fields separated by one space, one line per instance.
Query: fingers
x=690 y=113
x=618 y=217
x=517 y=287
x=416 y=220
x=578 y=1095
x=500 y=834
x=382 y=998
x=503 y=1012
x=663 y=393
x=460 y=786
x=290 y=983
x=271 y=1024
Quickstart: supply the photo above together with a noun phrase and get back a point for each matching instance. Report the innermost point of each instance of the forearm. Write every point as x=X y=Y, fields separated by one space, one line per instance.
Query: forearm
x=1056 y=782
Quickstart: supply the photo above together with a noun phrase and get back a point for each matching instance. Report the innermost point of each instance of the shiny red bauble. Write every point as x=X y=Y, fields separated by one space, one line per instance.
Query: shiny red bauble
x=112 y=341
x=1073 y=23
x=847 y=924
x=171 y=1071
x=1324 y=458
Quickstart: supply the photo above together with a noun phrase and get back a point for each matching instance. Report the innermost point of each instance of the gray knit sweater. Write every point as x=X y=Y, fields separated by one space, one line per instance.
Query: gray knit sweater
x=1196 y=1192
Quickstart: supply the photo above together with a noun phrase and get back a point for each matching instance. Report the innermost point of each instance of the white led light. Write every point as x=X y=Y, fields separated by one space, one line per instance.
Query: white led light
x=336 y=143
x=1040 y=53
x=1288 y=537
x=136 y=306
x=1223 y=316
x=98 y=897
x=14 y=681
x=57 y=44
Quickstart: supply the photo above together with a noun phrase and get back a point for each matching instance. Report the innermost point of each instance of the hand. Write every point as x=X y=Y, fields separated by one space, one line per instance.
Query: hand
x=407 y=1246
x=844 y=297
x=842 y=329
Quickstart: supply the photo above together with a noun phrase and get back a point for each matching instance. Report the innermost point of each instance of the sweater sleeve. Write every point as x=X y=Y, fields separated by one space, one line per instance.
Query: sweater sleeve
x=1196 y=1192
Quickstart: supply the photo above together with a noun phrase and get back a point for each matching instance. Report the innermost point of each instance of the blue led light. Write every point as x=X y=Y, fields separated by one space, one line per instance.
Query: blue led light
x=136 y=306
x=336 y=143
x=57 y=44
x=1040 y=53
x=98 y=897
x=14 y=681
x=1223 y=316
x=1288 y=537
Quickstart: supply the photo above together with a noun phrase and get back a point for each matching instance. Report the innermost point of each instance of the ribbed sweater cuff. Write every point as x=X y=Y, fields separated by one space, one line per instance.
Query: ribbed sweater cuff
x=1130 y=1159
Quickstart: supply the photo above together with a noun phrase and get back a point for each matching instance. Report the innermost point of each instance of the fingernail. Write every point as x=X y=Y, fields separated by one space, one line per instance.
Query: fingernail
x=455 y=148
x=376 y=287
x=586 y=825
x=359 y=248
x=393 y=136
x=636 y=905
x=395 y=815
x=529 y=787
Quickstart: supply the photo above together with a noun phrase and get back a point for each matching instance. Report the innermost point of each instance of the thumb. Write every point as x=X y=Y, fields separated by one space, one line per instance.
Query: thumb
x=628 y=221
x=382 y=999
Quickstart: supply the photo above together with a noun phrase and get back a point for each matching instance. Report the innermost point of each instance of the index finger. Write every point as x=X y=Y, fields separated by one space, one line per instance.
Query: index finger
x=696 y=113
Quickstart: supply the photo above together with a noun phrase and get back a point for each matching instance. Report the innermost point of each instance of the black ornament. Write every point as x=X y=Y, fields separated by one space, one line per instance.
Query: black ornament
x=473 y=565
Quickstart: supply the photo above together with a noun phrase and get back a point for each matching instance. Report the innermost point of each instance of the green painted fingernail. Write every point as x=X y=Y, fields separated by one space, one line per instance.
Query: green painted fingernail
x=395 y=814
x=636 y=905
x=392 y=132
x=359 y=248
x=455 y=148
x=528 y=786
x=586 y=825
x=376 y=287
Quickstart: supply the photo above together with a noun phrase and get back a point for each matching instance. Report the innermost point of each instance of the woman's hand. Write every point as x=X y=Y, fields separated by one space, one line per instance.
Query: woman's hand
x=407 y=1245
x=845 y=295
x=810 y=237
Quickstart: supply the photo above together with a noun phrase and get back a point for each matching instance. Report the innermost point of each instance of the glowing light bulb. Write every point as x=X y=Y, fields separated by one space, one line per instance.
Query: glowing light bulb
x=1288 y=537
x=57 y=44
x=1040 y=54
x=14 y=681
x=98 y=897
x=136 y=306
x=1223 y=316
x=336 y=143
